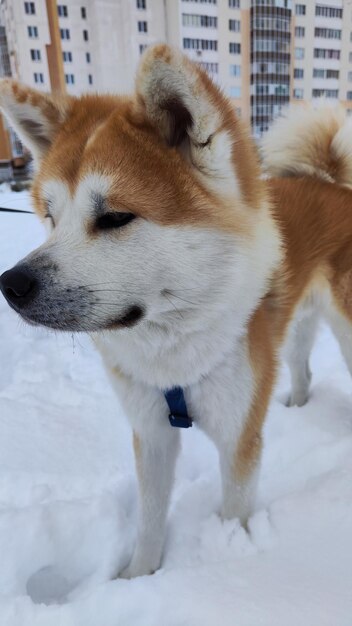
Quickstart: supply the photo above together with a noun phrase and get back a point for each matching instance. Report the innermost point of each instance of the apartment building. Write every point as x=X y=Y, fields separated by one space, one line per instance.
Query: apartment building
x=263 y=53
x=271 y=54
x=322 y=65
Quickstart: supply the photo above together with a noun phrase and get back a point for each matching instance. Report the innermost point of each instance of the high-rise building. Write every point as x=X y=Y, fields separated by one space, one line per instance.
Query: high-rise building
x=263 y=53
x=322 y=61
x=271 y=54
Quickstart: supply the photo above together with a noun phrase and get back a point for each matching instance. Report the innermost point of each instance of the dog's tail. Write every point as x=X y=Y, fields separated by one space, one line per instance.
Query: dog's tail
x=310 y=142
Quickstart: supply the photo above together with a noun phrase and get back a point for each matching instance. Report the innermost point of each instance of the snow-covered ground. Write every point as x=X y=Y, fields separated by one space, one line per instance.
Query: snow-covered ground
x=68 y=495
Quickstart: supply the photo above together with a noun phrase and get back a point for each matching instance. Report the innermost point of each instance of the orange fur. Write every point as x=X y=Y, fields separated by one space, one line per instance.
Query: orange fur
x=315 y=220
x=115 y=137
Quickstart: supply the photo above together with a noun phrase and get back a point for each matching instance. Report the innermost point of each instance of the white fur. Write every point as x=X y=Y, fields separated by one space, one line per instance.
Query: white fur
x=308 y=142
x=298 y=348
x=317 y=305
x=195 y=337
x=219 y=403
x=198 y=287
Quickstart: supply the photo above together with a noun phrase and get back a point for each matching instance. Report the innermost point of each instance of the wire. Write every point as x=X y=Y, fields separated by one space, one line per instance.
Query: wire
x=8 y=210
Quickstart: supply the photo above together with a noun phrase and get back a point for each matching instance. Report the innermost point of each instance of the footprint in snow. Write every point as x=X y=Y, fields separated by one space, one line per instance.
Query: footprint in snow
x=48 y=586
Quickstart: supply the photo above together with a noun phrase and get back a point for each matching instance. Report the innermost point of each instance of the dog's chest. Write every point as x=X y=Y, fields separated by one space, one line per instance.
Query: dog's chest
x=166 y=360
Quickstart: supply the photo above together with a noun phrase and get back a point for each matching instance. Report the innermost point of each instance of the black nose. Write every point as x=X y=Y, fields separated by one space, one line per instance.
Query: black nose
x=18 y=286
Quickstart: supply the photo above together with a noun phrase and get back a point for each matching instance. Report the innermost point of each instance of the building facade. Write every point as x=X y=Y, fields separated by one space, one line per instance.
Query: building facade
x=323 y=51
x=271 y=57
x=263 y=53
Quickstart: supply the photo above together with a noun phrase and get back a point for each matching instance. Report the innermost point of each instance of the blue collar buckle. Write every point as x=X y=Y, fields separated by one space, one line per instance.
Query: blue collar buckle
x=178 y=416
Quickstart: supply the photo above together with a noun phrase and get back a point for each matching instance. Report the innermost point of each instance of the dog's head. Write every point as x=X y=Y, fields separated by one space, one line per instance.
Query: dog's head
x=153 y=202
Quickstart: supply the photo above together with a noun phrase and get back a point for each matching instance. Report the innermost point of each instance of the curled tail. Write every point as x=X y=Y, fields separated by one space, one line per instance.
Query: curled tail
x=310 y=142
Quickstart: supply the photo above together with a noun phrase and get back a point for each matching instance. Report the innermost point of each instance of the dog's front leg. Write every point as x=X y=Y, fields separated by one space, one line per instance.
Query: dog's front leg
x=155 y=454
x=233 y=401
x=156 y=446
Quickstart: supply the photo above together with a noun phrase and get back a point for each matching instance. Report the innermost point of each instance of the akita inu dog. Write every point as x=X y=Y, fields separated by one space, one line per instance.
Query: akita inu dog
x=184 y=264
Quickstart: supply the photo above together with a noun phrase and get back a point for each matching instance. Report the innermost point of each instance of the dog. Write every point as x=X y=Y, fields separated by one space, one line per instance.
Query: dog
x=188 y=268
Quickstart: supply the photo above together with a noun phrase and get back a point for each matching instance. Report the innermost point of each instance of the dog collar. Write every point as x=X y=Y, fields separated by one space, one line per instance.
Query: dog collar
x=178 y=416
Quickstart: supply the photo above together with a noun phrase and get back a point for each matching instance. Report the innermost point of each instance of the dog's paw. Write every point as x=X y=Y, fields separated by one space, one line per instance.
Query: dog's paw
x=297 y=399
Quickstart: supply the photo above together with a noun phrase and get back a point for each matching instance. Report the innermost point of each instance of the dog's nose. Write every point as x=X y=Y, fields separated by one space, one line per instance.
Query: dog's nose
x=17 y=285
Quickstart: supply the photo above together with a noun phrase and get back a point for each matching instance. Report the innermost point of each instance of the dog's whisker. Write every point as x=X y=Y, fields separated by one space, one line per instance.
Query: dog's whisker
x=116 y=291
x=173 y=295
x=174 y=306
x=134 y=289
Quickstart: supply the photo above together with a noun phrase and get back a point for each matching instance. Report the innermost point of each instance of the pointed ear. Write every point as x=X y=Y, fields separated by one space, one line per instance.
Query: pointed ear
x=191 y=113
x=35 y=116
x=179 y=98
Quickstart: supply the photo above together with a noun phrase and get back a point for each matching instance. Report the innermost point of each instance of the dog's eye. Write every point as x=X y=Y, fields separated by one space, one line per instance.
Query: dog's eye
x=50 y=217
x=114 y=220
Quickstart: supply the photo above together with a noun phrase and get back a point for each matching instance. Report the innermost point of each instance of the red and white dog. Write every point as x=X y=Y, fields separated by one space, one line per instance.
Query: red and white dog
x=184 y=264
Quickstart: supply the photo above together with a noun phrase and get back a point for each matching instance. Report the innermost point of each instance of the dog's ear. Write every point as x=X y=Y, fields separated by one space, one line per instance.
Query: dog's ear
x=35 y=116
x=188 y=110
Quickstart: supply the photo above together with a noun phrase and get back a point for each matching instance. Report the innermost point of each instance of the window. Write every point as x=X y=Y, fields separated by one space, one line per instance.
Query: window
x=271 y=23
x=88 y=57
x=325 y=11
x=328 y=33
x=319 y=73
x=298 y=73
x=32 y=32
x=234 y=4
x=35 y=55
x=270 y=68
x=350 y=57
x=325 y=93
x=70 y=79
x=300 y=9
x=83 y=13
x=65 y=33
x=141 y=4
x=29 y=8
x=300 y=31
x=322 y=53
x=298 y=93
x=332 y=74
x=235 y=92
x=85 y=35
x=235 y=48
x=62 y=10
x=212 y=68
x=90 y=79
x=142 y=27
x=207 y=21
x=200 y=44
x=142 y=47
x=349 y=95
x=67 y=57
x=350 y=77
x=271 y=45
x=38 y=77
x=299 y=53
x=271 y=90
x=235 y=70
x=235 y=25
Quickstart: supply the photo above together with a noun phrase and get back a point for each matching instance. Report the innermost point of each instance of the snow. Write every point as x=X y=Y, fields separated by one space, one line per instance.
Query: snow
x=68 y=495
